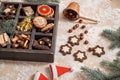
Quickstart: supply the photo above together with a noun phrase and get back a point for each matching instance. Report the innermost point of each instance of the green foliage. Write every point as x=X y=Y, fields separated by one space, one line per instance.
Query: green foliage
x=113 y=66
x=94 y=74
x=118 y=53
x=7 y=26
x=114 y=73
x=0 y=11
x=114 y=36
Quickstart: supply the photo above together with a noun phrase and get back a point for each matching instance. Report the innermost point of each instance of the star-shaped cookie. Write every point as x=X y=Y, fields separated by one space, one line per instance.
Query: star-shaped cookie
x=98 y=50
x=73 y=40
x=65 y=49
x=80 y=56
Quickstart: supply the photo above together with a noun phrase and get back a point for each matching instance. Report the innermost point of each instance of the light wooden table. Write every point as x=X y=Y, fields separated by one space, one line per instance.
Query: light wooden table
x=98 y=9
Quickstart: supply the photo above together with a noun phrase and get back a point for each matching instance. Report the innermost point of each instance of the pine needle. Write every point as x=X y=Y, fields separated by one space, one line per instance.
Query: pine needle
x=94 y=74
x=113 y=36
x=0 y=11
x=114 y=73
x=7 y=26
x=113 y=66
x=118 y=54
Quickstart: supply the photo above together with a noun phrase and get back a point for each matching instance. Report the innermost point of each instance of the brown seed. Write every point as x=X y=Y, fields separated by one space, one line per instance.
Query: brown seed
x=75 y=26
x=81 y=37
x=83 y=26
x=70 y=14
x=81 y=34
x=86 y=31
x=70 y=30
x=86 y=42
x=80 y=21
x=90 y=49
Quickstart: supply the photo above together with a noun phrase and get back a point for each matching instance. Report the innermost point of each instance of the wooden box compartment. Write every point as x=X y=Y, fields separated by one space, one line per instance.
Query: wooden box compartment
x=31 y=54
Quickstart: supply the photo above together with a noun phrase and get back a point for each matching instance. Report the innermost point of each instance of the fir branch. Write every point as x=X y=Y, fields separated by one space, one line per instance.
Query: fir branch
x=0 y=11
x=113 y=66
x=111 y=35
x=114 y=73
x=98 y=75
x=118 y=30
x=114 y=36
x=7 y=26
x=118 y=54
x=115 y=44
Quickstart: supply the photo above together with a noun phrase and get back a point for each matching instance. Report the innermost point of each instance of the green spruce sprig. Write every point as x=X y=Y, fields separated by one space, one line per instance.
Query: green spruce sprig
x=113 y=36
x=118 y=53
x=0 y=11
x=7 y=26
x=94 y=74
x=114 y=73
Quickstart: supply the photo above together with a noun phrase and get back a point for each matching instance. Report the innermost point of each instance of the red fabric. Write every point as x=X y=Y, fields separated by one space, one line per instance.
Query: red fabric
x=42 y=77
x=61 y=70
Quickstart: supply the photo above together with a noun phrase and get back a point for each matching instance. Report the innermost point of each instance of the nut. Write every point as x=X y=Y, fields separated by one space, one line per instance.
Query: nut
x=22 y=40
x=86 y=31
x=80 y=21
x=14 y=45
x=15 y=39
x=83 y=26
x=90 y=49
x=81 y=34
x=25 y=44
x=70 y=30
x=86 y=42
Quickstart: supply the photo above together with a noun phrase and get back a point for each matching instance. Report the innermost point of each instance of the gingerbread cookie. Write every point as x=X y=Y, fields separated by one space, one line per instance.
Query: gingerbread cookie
x=39 y=22
x=80 y=56
x=98 y=50
x=28 y=11
x=48 y=27
x=65 y=49
x=9 y=10
x=73 y=40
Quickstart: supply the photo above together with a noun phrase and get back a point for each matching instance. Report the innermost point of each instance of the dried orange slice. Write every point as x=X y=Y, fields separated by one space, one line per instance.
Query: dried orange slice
x=44 y=10
x=51 y=13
